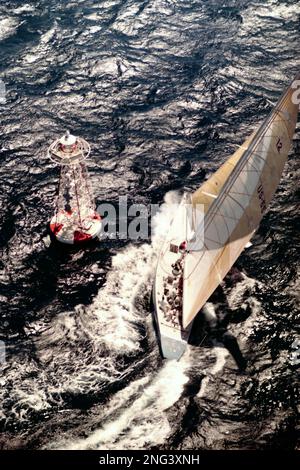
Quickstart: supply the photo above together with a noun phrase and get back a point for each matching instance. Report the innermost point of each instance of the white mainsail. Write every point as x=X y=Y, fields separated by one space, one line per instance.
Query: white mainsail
x=244 y=187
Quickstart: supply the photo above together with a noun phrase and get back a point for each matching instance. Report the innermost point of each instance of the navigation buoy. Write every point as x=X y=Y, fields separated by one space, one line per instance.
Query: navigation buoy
x=75 y=219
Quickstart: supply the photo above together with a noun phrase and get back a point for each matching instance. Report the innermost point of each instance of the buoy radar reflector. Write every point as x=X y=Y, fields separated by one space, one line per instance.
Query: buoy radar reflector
x=69 y=150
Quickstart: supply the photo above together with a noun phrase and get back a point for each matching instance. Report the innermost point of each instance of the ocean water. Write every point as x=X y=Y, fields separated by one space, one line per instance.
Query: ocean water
x=164 y=91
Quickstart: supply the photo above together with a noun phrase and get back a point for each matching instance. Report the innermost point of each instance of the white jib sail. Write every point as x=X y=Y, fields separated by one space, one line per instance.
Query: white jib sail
x=234 y=215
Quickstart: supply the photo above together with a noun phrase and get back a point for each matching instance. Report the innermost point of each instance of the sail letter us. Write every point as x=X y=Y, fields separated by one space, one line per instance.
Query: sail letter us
x=261 y=197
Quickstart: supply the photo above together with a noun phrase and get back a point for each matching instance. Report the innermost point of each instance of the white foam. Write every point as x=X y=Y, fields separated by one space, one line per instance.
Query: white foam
x=24 y=9
x=221 y=355
x=94 y=29
x=236 y=296
x=144 y=422
x=209 y=313
x=8 y=27
x=114 y=304
x=48 y=35
x=79 y=352
x=162 y=220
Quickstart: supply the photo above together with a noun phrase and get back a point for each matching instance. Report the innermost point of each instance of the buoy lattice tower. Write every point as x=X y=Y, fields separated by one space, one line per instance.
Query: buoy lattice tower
x=75 y=219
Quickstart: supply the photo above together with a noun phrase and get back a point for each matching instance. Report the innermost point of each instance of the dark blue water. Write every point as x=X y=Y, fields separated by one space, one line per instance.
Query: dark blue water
x=164 y=91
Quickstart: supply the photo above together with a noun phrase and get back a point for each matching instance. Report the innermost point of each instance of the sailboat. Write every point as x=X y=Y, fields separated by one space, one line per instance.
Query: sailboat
x=195 y=258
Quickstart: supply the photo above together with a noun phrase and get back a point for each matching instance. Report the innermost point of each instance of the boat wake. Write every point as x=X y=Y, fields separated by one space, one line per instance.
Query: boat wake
x=135 y=417
x=83 y=351
x=110 y=344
